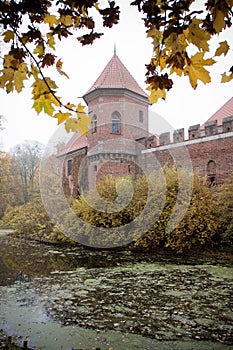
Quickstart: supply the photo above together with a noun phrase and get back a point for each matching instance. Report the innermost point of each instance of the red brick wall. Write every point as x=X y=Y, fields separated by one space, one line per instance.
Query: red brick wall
x=219 y=150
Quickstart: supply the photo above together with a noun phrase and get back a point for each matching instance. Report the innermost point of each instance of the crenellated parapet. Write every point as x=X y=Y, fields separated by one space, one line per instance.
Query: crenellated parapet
x=197 y=131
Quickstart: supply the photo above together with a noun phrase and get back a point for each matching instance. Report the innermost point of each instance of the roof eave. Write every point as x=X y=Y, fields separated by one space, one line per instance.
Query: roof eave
x=91 y=95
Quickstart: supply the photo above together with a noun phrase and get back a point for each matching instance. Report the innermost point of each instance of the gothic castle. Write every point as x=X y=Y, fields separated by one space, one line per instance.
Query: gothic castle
x=119 y=136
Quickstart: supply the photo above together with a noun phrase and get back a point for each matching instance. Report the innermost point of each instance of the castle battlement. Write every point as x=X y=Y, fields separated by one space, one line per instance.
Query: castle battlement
x=195 y=132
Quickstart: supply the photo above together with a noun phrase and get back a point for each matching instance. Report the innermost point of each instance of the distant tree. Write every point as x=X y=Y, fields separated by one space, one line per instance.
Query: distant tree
x=27 y=159
x=5 y=181
x=31 y=30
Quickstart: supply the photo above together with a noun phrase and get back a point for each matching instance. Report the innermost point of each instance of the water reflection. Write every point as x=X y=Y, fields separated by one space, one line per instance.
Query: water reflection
x=150 y=297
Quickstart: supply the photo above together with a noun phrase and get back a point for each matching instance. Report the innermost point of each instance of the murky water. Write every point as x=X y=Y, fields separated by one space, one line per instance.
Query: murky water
x=64 y=298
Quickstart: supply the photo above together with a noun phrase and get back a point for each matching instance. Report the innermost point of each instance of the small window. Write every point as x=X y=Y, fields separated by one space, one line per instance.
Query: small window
x=69 y=167
x=211 y=172
x=141 y=116
x=94 y=123
x=116 y=125
x=95 y=167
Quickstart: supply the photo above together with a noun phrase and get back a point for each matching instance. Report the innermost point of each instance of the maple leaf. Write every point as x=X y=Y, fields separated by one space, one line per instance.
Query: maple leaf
x=59 y=68
x=51 y=20
x=61 y=117
x=156 y=94
x=66 y=20
x=19 y=76
x=219 y=20
x=70 y=106
x=196 y=71
x=45 y=102
x=8 y=36
x=51 y=40
x=39 y=50
x=226 y=78
x=222 y=49
x=197 y=36
x=156 y=35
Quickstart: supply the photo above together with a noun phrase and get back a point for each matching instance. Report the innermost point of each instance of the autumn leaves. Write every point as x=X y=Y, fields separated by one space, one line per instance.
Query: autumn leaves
x=180 y=38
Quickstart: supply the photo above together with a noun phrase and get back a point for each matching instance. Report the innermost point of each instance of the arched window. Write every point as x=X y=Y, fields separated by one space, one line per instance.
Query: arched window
x=94 y=123
x=211 y=172
x=116 y=123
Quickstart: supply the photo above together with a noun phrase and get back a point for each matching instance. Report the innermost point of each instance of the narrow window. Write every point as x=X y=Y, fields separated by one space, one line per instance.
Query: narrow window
x=95 y=167
x=94 y=123
x=69 y=167
x=116 y=125
x=141 y=116
x=211 y=172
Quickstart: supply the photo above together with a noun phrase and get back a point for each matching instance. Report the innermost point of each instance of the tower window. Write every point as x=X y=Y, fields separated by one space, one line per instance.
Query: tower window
x=141 y=116
x=94 y=123
x=116 y=125
x=69 y=167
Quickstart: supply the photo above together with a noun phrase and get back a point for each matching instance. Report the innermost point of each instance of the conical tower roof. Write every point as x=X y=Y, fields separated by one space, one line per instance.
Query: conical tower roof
x=116 y=76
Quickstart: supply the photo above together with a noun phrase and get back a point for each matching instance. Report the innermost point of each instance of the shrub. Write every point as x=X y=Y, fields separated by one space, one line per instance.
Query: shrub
x=32 y=221
x=224 y=213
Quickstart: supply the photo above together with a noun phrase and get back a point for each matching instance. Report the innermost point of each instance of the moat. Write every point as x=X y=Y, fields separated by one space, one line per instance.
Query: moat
x=66 y=298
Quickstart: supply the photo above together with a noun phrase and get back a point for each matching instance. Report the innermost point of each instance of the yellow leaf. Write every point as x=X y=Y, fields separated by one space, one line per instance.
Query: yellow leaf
x=222 y=49
x=51 y=40
x=176 y=70
x=196 y=71
x=84 y=123
x=156 y=94
x=84 y=13
x=70 y=106
x=9 y=61
x=226 y=78
x=6 y=79
x=45 y=102
x=59 y=67
x=219 y=20
x=71 y=125
x=96 y=5
x=155 y=34
x=8 y=36
x=61 y=117
x=39 y=50
x=80 y=108
x=51 y=20
x=19 y=76
x=66 y=20
x=197 y=36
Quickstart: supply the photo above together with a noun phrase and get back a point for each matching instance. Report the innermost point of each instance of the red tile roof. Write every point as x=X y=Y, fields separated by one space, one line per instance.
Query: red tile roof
x=225 y=111
x=116 y=75
x=76 y=143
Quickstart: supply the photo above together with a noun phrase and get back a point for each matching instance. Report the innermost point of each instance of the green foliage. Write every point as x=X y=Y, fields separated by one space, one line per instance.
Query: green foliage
x=32 y=221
